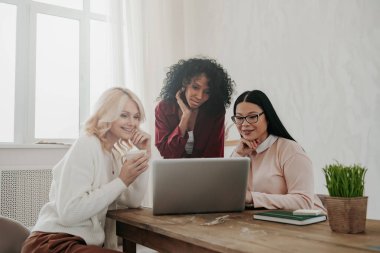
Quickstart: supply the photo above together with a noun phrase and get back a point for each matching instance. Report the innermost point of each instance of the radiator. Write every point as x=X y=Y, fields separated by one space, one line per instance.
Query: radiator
x=24 y=190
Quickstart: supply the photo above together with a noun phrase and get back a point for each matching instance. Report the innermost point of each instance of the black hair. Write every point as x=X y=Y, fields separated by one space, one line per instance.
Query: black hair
x=259 y=98
x=221 y=87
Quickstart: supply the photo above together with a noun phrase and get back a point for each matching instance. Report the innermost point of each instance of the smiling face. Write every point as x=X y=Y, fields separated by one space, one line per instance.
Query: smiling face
x=252 y=131
x=197 y=92
x=126 y=124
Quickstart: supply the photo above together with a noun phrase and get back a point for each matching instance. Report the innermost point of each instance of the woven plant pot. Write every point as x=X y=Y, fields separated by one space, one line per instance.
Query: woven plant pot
x=347 y=215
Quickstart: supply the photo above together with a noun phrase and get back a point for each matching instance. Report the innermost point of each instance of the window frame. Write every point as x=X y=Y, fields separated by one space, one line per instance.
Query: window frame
x=25 y=69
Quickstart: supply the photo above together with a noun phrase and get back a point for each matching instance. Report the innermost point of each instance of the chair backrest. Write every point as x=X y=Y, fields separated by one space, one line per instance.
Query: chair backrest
x=12 y=235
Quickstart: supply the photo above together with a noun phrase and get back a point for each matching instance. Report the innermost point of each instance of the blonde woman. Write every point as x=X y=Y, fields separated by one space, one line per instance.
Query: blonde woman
x=90 y=178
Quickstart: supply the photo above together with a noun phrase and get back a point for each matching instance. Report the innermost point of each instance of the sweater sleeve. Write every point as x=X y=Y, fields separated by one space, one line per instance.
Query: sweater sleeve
x=76 y=198
x=134 y=194
x=168 y=137
x=298 y=175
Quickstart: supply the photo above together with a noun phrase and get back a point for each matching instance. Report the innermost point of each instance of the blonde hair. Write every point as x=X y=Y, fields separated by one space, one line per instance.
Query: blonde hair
x=108 y=109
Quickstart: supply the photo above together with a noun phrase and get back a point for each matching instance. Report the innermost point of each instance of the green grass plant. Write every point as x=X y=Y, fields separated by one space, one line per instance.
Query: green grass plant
x=345 y=181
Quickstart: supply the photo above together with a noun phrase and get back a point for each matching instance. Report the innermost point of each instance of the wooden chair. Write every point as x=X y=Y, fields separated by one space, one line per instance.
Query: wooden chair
x=12 y=235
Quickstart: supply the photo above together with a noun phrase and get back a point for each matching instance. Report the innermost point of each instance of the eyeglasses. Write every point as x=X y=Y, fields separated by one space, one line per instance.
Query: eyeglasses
x=251 y=119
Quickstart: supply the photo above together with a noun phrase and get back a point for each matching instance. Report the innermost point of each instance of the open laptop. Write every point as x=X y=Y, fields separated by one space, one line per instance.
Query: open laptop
x=199 y=185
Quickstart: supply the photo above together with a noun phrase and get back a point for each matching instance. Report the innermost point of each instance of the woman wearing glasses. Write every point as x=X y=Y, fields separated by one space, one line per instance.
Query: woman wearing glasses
x=281 y=175
x=190 y=116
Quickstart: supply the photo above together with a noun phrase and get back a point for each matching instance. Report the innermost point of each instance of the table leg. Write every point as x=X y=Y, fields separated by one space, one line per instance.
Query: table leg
x=128 y=246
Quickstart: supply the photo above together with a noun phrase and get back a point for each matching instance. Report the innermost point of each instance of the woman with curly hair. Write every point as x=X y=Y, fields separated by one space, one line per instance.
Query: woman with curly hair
x=190 y=115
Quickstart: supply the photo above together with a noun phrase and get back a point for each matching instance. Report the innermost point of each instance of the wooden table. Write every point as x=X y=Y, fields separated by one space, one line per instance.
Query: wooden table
x=239 y=233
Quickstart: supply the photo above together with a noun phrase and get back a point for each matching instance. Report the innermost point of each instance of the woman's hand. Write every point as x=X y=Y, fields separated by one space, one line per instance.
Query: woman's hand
x=245 y=147
x=133 y=167
x=141 y=140
x=188 y=116
x=186 y=111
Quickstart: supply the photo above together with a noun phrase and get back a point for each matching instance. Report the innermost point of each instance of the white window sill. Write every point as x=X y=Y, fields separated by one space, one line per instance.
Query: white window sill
x=35 y=146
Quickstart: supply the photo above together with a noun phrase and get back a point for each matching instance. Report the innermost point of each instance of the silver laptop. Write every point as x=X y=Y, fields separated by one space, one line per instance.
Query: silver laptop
x=199 y=185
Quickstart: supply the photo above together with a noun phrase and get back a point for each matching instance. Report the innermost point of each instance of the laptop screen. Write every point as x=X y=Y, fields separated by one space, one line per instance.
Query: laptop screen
x=199 y=185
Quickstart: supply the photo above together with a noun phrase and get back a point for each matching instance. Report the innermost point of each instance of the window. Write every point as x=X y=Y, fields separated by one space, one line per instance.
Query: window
x=57 y=93
x=99 y=60
x=7 y=70
x=54 y=63
x=74 y=4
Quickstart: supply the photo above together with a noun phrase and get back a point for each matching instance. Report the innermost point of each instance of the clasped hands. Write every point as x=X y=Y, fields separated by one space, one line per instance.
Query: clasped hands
x=137 y=164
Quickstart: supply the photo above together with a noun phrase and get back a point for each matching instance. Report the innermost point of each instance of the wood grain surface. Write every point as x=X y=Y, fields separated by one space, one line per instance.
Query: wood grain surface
x=238 y=233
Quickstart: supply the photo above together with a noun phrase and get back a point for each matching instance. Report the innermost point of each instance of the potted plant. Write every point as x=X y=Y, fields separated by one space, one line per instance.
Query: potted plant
x=346 y=206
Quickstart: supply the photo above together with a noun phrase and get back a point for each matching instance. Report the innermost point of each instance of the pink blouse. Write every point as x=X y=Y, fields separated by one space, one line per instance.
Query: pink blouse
x=281 y=176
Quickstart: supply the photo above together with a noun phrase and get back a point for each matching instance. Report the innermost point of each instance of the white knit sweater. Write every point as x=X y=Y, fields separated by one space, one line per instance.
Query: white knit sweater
x=83 y=188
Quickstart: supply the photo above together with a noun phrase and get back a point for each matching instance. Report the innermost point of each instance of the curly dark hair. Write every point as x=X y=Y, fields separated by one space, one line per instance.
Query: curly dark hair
x=220 y=85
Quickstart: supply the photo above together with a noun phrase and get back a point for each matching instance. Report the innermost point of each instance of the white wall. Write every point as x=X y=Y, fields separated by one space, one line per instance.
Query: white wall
x=318 y=61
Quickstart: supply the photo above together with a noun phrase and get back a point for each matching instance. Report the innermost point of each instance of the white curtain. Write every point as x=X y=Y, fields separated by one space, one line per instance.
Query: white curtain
x=146 y=37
